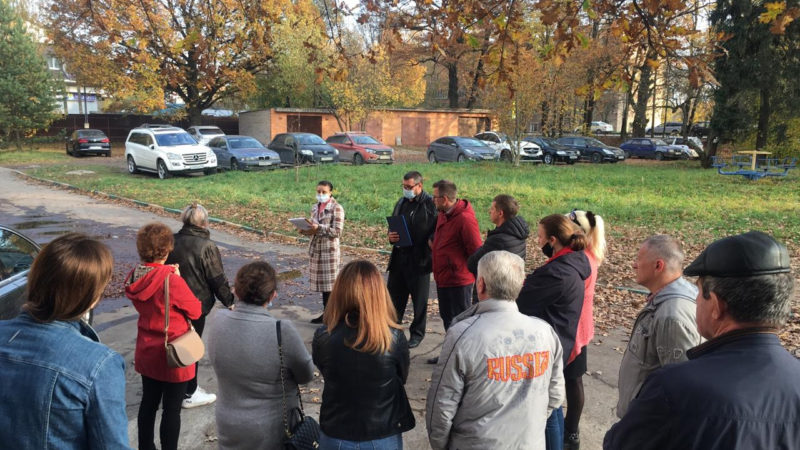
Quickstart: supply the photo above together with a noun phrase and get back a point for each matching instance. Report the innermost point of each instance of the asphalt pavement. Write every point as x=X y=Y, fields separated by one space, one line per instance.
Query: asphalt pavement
x=44 y=212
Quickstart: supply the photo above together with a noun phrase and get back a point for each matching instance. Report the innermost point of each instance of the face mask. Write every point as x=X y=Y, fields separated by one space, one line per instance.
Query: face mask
x=408 y=193
x=547 y=250
x=322 y=198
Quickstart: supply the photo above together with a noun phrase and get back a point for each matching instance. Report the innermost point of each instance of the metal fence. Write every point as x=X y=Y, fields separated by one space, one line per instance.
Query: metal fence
x=117 y=126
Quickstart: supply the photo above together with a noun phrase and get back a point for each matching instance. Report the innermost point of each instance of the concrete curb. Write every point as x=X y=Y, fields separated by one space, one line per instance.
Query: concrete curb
x=299 y=240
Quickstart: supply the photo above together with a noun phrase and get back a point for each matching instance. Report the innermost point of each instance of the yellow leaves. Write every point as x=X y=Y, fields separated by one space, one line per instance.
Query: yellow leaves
x=653 y=63
x=773 y=10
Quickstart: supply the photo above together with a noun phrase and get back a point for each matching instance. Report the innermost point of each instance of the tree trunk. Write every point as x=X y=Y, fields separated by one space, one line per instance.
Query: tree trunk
x=642 y=100
x=543 y=128
x=193 y=114
x=476 y=80
x=452 y=84
x=623 y=129
x=764 y=111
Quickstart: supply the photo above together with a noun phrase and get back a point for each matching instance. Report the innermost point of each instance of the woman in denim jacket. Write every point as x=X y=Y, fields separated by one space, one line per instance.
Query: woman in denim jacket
x=60 y=387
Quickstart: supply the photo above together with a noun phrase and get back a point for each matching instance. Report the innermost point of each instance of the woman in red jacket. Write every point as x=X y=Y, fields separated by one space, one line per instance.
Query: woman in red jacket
x=160 y=383
x=593 y=227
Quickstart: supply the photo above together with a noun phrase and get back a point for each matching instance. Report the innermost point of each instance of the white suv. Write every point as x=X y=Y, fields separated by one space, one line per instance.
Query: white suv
x=166 y=150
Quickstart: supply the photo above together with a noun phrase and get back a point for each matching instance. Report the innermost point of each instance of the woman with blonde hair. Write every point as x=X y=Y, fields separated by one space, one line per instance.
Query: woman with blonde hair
x=362 y=354
x=593 y=227
x=554 y=293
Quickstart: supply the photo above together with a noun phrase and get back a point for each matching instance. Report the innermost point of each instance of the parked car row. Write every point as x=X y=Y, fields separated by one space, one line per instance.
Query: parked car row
x=167 y=150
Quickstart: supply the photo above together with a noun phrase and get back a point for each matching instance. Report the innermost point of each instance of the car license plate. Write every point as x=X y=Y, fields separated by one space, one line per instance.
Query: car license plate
x=264 y=163
x=385 y=157
x=326 y=158
x=488 y=156
x=573 y=157
x=621 y=157
x=95 y=147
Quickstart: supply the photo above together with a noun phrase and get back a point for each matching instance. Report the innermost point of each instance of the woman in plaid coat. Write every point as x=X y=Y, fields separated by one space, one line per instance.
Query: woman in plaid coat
x=327 y=222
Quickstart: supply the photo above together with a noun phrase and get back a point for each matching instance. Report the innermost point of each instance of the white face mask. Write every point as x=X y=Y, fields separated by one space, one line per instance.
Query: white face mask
x=322 y=198
x=408 y=193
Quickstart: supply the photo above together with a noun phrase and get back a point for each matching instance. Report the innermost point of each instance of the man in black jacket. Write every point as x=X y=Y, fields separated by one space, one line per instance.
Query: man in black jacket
x=410 y=267
x=738 y=390
x=510 y=233
x=200 y=264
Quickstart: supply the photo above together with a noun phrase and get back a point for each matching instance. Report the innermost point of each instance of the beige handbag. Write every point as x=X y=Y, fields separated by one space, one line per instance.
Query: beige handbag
x=184 y=350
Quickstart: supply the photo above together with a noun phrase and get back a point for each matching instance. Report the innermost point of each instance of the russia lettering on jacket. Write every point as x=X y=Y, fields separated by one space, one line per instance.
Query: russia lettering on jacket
x=518 y=367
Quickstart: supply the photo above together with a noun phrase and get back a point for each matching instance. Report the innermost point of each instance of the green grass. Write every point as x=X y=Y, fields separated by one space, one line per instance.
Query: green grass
x=671 y=197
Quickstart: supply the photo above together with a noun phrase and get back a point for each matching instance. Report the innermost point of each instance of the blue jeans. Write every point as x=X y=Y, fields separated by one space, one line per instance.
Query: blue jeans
x=554 y=431
x=389 y=443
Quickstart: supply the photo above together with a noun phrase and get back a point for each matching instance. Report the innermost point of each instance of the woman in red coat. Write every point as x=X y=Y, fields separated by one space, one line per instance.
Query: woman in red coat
x=160 y=383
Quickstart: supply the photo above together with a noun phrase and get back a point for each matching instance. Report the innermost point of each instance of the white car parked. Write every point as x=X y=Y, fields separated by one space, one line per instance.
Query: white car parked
x=203 y=134
x=504 y=147
x=167 y=150
x=597 y=127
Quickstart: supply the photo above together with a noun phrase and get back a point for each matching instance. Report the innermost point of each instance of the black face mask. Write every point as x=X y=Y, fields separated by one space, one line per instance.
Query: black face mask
x=548 y=250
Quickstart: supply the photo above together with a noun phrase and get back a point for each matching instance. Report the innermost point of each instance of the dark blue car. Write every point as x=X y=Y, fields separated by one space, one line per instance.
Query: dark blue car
x=650 y=148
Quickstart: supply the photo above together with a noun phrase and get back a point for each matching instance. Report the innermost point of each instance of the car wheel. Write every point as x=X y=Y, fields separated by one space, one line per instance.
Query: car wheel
x=571 y=162
x=163 y=173
x=67 y=148
x=505 y=157
x=107 y=154
x=548 y=159
x=132 y=165
x=432 y=158
x=659 y=156
x=358 y=159
x=235 y=164
x=460 y=158
x=210 y=171
x=597 y=158
x=673 y=133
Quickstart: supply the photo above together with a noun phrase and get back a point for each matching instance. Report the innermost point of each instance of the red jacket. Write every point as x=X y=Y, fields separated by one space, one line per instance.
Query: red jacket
x=585 y=332
x=457 y=237
x=145 y=287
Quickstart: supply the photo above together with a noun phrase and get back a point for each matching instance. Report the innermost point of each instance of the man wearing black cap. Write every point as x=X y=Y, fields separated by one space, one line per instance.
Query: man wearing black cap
x=741 y=389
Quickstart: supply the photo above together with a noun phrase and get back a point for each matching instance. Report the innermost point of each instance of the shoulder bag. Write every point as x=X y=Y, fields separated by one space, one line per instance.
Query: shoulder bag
x=301 y=432
x=186 y=349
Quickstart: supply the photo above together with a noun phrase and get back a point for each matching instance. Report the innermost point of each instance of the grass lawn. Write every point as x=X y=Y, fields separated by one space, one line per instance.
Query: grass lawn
x=669 y=197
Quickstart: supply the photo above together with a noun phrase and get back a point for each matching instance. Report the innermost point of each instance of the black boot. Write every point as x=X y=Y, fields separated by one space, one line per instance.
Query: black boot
x=572 y=441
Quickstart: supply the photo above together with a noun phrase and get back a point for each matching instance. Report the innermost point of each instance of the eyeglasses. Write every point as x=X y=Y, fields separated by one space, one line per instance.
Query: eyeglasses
x=408 y=188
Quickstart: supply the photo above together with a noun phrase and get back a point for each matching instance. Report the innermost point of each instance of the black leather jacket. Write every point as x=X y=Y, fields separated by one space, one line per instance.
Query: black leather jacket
x=364 y=397
x=200 y=265
x=510 y=236
x=421 y=222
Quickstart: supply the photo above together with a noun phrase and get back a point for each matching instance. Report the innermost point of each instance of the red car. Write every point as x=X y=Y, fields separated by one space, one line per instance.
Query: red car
x=360 y=148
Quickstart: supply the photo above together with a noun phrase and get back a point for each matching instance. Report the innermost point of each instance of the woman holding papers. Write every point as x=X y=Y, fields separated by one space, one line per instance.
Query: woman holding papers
x=326 y=225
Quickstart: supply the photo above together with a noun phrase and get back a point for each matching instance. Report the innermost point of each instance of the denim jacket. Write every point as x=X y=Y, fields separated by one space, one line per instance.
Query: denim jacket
x=60 y=387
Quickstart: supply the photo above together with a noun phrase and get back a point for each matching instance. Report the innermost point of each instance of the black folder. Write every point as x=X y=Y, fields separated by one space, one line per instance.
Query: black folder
x=397 y=224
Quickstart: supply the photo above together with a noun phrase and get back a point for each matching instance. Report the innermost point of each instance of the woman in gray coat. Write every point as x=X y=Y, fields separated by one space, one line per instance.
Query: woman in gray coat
x=243 y=348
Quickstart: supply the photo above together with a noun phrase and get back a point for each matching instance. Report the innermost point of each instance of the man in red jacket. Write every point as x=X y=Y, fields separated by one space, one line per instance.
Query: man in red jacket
x=456 y=238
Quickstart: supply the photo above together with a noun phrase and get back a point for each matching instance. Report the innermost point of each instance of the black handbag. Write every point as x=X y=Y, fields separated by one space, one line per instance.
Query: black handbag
x=301 y=432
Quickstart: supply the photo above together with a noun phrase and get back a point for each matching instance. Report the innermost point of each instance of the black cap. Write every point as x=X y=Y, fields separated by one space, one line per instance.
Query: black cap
x=743 y=255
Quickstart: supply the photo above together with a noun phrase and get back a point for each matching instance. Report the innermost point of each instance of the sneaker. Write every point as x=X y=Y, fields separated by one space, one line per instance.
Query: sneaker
x=414 y=342
x=199 y=398
x=572 y=441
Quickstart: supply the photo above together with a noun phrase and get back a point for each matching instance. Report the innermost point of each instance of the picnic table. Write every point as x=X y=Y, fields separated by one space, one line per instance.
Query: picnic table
x=754 y=155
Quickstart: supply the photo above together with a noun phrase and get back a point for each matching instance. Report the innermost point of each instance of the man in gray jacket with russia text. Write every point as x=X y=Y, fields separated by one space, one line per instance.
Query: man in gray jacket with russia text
x=665 y=328
x=500 y=372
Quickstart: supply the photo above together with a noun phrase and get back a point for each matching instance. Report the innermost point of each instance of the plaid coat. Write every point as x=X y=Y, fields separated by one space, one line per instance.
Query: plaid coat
x=324 y=248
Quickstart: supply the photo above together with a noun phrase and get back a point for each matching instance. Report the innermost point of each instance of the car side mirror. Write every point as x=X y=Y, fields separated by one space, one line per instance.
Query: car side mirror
x=152 y=146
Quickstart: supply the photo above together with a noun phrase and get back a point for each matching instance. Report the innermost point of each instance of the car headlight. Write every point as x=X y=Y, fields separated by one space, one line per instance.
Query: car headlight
x=369 y=150
x=336 y=152
x=210 y=155
x=607 y=151
x=174 y=157
x=306 y=152
x=470 y=152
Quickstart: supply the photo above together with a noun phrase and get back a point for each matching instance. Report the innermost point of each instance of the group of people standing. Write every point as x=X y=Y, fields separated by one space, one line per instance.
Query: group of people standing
x=515 y=347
